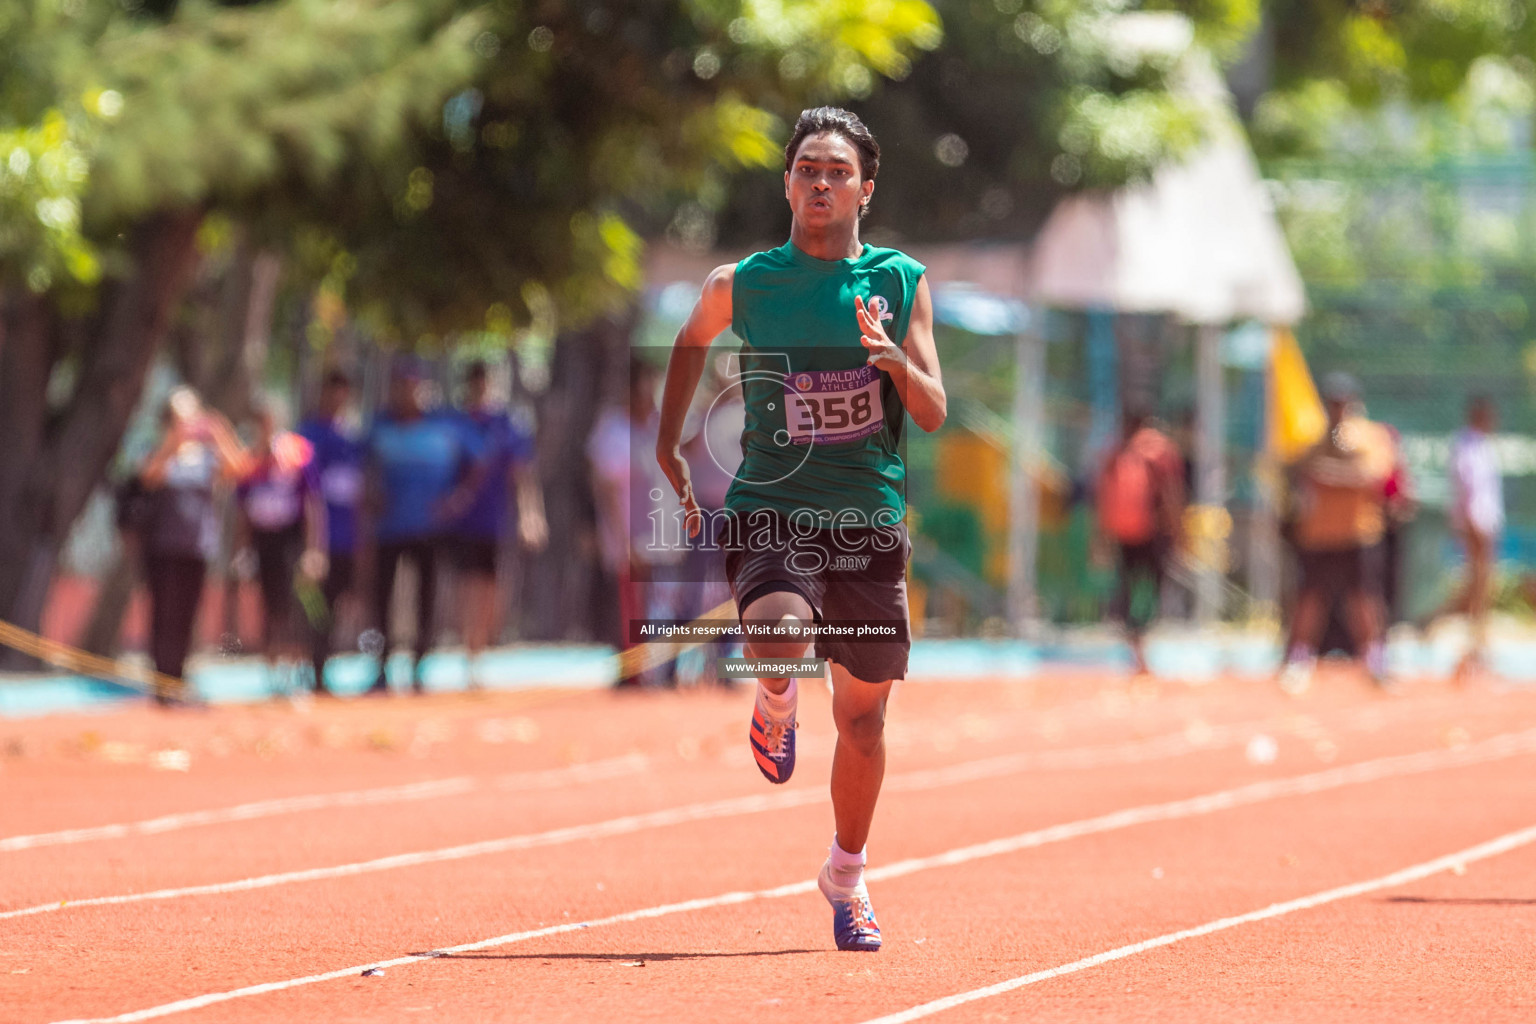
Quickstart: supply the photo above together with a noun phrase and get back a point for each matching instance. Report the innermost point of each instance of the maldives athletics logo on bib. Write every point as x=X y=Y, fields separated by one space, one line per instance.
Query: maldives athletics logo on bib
x=881 y=307
x=803 y=382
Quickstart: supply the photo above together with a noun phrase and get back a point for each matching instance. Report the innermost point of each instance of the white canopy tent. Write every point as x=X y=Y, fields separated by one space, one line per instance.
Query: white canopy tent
x=1198 y=241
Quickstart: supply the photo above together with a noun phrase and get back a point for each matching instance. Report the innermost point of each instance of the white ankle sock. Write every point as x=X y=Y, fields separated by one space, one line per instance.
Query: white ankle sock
x=846 y=869
x=779 y=705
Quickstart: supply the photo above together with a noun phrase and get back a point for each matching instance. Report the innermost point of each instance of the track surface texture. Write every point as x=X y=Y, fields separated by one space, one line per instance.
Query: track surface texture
x=1074 y=847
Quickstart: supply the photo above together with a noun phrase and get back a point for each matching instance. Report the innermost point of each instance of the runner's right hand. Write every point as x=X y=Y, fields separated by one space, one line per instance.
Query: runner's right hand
x=676 y=467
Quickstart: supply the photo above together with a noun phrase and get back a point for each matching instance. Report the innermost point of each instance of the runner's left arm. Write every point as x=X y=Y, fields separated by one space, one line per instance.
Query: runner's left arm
x=914 y=364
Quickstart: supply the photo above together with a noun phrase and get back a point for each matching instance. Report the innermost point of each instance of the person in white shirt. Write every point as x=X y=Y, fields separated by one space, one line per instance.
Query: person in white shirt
x=628 y=486
x=1477 y=516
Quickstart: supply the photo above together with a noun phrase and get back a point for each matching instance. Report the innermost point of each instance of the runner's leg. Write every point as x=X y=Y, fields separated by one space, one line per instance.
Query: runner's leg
x=770 y=610
x=772 y=735
x=858 y=761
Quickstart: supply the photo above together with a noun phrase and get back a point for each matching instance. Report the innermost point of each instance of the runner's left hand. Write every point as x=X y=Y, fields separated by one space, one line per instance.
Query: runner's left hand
x=884 y=354
x=676 y=468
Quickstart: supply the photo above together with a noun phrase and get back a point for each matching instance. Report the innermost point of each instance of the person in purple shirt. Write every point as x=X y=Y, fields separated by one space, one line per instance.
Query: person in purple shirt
x=423 y=468
x=339 y=456
x=506 y=457
x=282 y=521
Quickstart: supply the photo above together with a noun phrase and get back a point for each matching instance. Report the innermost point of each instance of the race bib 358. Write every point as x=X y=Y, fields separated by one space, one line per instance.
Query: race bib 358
x=833 y=406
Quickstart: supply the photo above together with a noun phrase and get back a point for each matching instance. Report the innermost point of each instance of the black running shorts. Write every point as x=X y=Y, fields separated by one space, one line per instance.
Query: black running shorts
x=849 y=577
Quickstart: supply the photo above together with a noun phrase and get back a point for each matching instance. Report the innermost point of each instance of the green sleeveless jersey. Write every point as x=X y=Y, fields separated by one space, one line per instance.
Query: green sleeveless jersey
x=823 y=427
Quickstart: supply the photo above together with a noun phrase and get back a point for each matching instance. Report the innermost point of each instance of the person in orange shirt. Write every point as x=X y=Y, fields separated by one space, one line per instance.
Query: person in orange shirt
x=1140 y=498
x=1339 y=489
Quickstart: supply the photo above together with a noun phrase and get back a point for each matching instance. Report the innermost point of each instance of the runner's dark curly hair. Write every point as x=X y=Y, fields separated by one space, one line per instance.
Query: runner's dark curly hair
x=837 y=121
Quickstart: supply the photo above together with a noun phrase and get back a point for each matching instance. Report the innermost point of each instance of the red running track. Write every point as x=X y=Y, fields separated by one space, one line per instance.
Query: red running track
x=1071 y=848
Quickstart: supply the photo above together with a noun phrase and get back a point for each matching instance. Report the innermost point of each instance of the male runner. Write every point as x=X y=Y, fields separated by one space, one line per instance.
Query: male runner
x=818 y=500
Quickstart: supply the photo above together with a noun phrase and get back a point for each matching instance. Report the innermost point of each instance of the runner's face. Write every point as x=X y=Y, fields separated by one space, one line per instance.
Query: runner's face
x=823 y=185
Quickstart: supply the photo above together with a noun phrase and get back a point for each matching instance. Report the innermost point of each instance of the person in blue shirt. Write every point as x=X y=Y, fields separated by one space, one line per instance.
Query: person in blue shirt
x=422 y=470
x=339 y=454
x=506 y=457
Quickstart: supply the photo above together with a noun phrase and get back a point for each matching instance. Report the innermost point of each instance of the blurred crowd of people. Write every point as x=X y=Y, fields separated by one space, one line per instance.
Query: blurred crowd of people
x=329 y=511
x=326 y=514
x=657 y=576
x=1349 y=501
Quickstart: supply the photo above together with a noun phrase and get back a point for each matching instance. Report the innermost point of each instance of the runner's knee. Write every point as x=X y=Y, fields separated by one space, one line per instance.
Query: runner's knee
x=863 y=729
x=788 y=641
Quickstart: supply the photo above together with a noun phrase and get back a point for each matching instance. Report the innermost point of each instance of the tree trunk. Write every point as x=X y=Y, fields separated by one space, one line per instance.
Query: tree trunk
x=50 y=465
x=103 y=631
x=565 y=595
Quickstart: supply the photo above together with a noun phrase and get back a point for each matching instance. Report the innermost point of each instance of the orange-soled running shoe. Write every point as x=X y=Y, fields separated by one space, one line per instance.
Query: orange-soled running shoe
x=773 y=742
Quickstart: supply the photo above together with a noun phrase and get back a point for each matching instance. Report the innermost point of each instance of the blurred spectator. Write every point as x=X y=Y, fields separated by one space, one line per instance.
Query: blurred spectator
x=1140 y=494
x=1477 y=517
x=1401 y=508
x=421 y=472
x=338 y=466
x=1340 y=493
x=282 y=522
x=180 y=523
x=506 y=457
x=629 y=488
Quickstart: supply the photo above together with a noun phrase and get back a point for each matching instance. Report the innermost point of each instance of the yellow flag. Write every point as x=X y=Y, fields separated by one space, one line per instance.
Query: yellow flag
x=1296 y=416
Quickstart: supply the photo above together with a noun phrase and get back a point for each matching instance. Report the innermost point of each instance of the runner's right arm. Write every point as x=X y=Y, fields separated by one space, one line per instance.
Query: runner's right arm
x=711 y=315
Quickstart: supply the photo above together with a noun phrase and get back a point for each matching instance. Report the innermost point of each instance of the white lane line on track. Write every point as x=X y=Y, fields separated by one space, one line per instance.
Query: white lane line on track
x=1129 y=753
x=1189 y=740
x=550 y=778
x=1508 y=745
x=1135 y=752
x=1450 y=862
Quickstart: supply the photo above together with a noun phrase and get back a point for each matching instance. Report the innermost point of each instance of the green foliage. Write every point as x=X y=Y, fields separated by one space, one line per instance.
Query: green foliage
x=1329 y=54
x=42 y=173
x=1416 y=236
x=1399 y=199
x=585 y=127
x=223 y=104
x=1025 y=100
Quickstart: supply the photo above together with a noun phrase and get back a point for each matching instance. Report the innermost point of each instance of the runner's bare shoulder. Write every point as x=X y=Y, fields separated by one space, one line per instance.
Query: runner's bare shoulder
x=718 y=285
x=712 y=314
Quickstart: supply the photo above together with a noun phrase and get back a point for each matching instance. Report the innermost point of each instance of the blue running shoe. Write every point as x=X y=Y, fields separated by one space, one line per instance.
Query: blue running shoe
x=853 y=917
x=773 y=744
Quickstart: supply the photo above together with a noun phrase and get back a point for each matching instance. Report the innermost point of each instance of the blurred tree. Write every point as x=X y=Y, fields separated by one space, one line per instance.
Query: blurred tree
x=454 y=164
x=1026 y=100
x=146 y=126
x=1334 y=57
